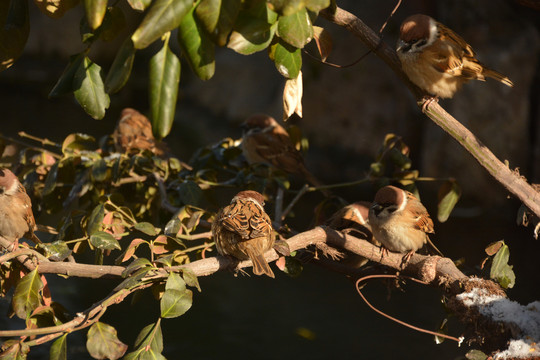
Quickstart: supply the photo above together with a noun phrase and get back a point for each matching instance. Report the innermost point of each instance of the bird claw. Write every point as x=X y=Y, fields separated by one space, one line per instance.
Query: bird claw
x=427 y=101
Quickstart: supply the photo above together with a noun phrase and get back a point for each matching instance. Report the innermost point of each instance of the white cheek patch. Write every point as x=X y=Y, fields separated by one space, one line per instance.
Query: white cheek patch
x=359 y=216
x=404 y=202
x=433 y=32
x=13 y=188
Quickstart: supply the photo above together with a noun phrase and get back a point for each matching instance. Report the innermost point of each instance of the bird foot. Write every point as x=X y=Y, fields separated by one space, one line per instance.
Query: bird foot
x=427 y=101
x=405 y=260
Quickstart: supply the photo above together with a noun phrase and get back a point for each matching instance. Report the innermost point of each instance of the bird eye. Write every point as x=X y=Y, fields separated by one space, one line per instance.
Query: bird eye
x=1 y=190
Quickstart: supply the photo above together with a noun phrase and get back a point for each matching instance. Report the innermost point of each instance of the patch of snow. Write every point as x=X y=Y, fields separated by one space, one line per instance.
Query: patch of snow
x=524 y=321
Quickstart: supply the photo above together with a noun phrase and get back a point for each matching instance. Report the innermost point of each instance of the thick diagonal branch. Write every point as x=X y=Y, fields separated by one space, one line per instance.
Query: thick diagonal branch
x=512 y=181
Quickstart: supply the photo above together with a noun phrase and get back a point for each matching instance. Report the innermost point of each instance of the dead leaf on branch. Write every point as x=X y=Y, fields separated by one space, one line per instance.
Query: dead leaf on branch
x=292 y=97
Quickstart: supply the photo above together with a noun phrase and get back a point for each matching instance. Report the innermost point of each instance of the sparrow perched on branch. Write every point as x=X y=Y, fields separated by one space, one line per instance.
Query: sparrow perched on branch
x=400 y=221
x=437 y=59
x=354 y=218
x=243 y=230
x=265 y=141
x=16 y=217
x=133 y=133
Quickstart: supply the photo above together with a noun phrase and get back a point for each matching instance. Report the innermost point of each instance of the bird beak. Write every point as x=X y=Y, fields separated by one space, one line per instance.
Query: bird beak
x=376 y=208
x=401 y=45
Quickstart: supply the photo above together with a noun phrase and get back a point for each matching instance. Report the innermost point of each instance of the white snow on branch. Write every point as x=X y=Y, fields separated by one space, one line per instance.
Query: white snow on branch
x=523 y=321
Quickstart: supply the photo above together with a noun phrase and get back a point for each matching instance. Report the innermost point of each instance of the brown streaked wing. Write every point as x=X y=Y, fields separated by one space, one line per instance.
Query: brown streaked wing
x=278 y=150
x=234 y=219
x=259 y=222
x=423 y=220
x=29 y=215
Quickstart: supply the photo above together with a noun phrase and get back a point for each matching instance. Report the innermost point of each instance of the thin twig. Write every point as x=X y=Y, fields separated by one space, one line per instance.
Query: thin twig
x=288 y=209
x=165 y=204
x=35 y=148
x=43 y=141
x=379 y=276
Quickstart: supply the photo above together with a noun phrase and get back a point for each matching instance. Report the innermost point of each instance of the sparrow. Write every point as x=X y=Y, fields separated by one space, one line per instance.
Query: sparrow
x=265 y=141
x=400 y=221
x=133 y=133
x=16 y=217
x=438 y=60
x=243 y=230
x=354 y=218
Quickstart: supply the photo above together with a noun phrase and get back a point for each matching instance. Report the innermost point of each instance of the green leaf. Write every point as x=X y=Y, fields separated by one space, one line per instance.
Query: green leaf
x=13 y=33
x=317 y=5
x=164 y=79
x=50 y=181
x=175 y=302
x=56 y=251
x=77 y=142
x=59 y=349
x=197 y=47
x=287 y=58
x=113 y=24
x=103 y=343
x=173 y=227
x=64 y=85
x=95 y=220
x=139 y=5
x=134 y=279
x=175 y=281
x=251 y=34
x=136 y=265
x=120 y=70
x=14 y=350
x=89 y=90
x=104 y=241
x=287 y=7
x=475 y=355
x=218 y=17
x=449 y=194
x=27 y=295
x=99 y=171
x=190 y=193
x=149 y=344
x=296 y=29
x=191 y=279
x=95 y=12
x=163 y=16
x=146 y=228
x=500 y=270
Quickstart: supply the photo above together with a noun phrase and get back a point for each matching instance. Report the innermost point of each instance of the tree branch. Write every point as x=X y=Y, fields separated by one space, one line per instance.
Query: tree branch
x=512 y=181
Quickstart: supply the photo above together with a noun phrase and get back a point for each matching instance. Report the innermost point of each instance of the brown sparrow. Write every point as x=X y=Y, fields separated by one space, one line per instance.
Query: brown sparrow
x=354 y=218
x=16 y=217
x=437 y=59
x=133 y=133
x=400 y=221
x=265 y=141
x=244 y=230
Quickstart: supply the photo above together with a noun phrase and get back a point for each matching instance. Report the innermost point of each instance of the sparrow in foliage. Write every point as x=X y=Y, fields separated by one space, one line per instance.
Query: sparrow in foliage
x=354 y=218
x=243 y=230
x=16 y=217
x=267 y=142
x=437 y=59
x=400 y=221
x=133 y=134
